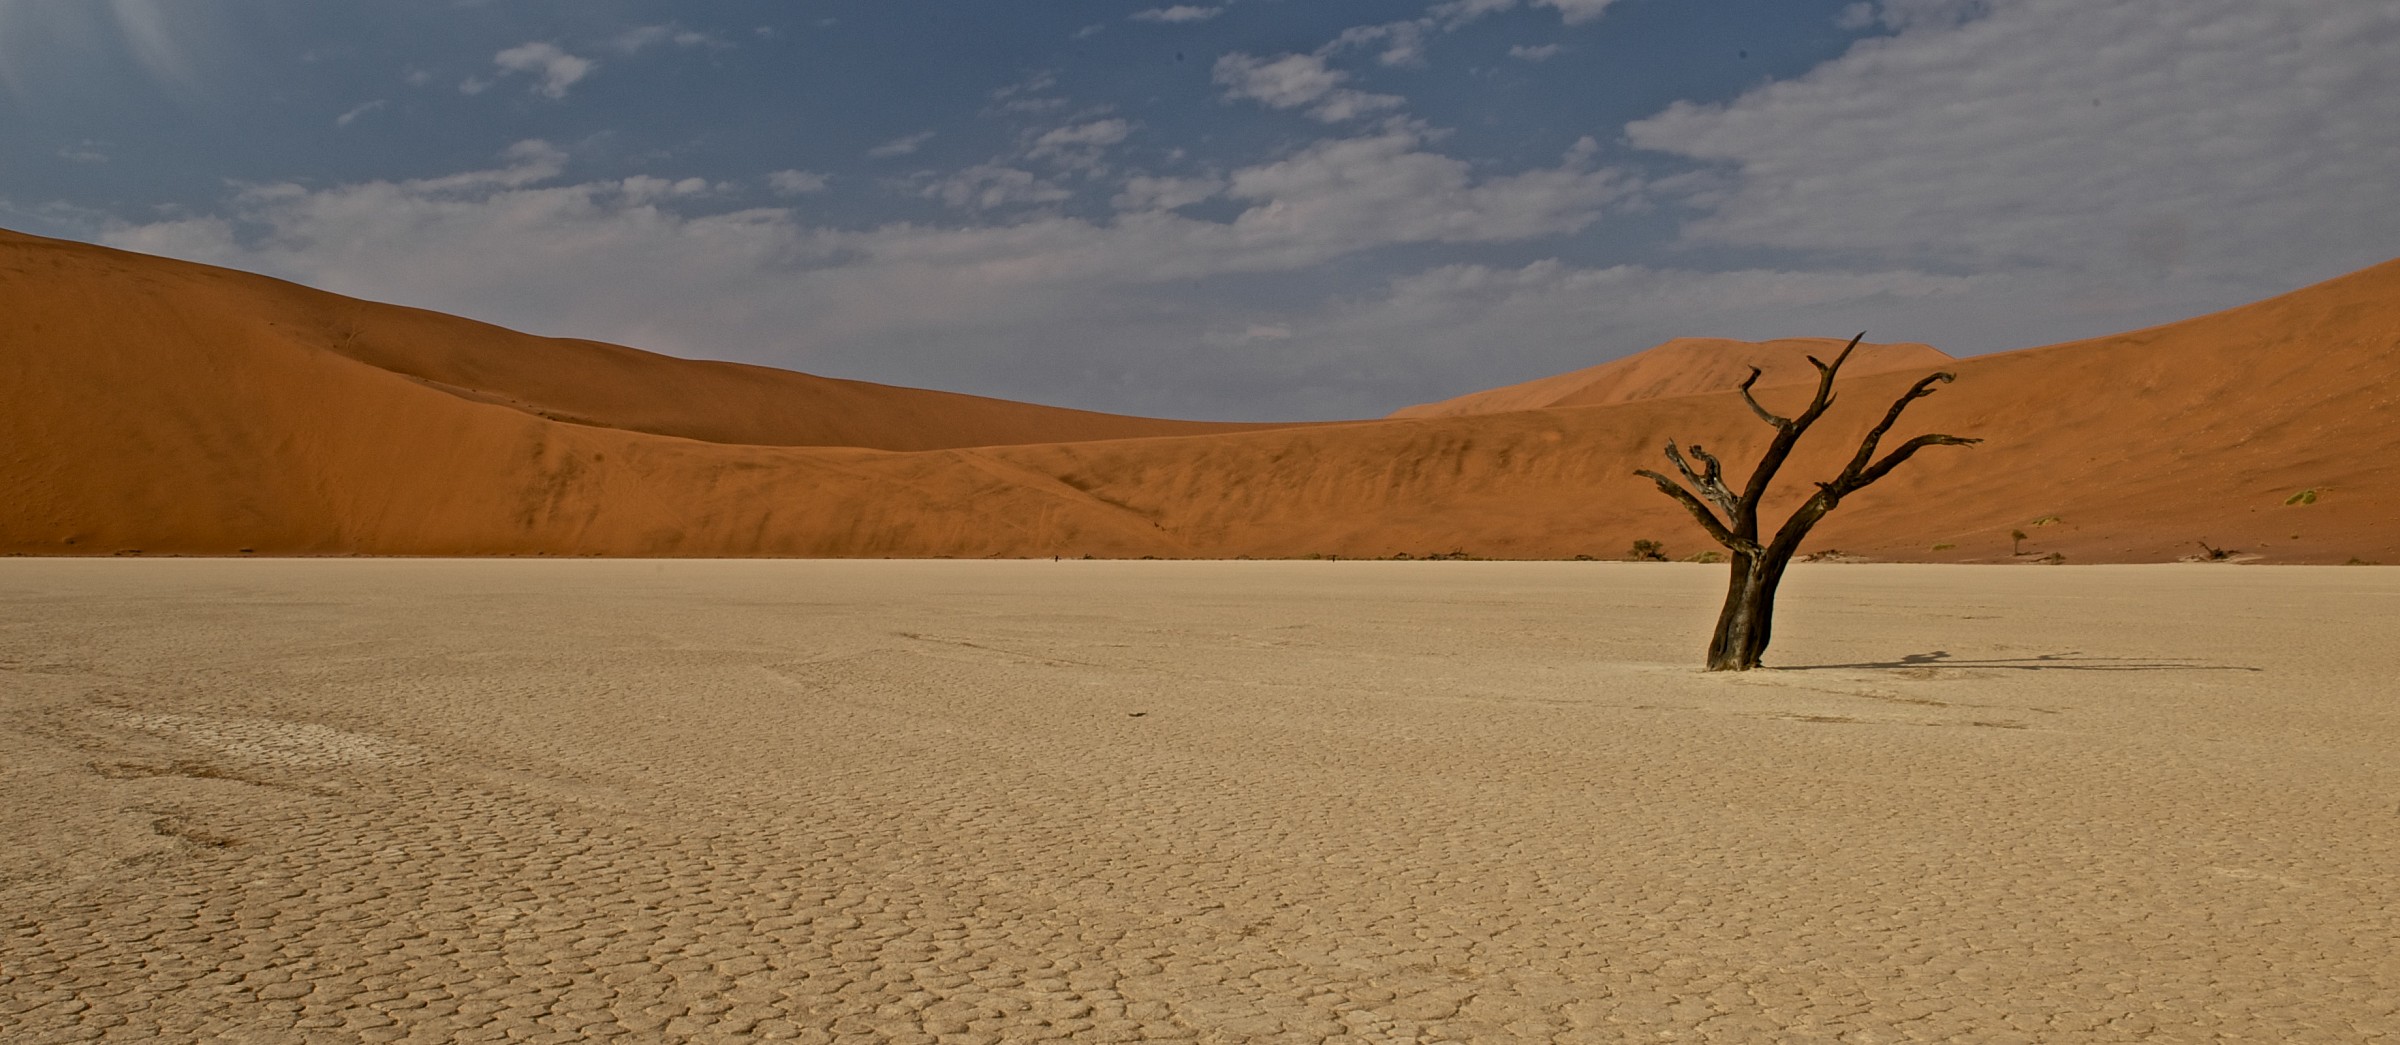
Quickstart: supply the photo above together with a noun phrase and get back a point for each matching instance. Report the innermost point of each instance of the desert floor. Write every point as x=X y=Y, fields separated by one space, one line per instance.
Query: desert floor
x=344 y=800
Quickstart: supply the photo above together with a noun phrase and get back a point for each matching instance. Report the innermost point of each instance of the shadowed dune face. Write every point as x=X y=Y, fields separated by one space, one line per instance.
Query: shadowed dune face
x=175 y=408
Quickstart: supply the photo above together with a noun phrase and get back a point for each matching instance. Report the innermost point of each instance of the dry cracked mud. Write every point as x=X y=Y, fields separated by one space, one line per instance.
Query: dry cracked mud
x=339 y=801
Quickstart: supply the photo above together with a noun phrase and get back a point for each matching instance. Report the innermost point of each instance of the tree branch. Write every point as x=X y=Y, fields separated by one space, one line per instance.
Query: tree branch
x=1788 y=435
x=1866 y=446
x=1906 y=450
x=1708 y=520
x=1859 y=473
x=1762 y=412
x=1711 y=483
x=1825 y=374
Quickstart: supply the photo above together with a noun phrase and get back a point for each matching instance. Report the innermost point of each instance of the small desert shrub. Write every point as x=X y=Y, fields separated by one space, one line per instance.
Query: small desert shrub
x=1648 y=550
x=1707 y=557
x=2045 y=520
x=2052 y=559
x=1586 y=558
x=1944 y=547
x=2308 y=496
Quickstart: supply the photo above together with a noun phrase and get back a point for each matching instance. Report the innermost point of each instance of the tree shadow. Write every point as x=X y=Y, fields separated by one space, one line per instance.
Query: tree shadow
x=2071 y=660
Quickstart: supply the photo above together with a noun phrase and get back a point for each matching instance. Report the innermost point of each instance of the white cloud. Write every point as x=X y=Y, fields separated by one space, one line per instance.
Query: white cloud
x=1029 y=95
x=1401 y=43
x=901 y=146
x=350 y=117
x=643 y=188
x=1456 y=13
x=2141 y=138
x=1143 y=192
x=1079 y=145
x=990 y=186
x=1294 y=81
x=1178 y=14
x=797 y=182
x=1541 y=53
x=556 y=70
x=1552 y=317
x=1576 y=12
x=85 y=151
x=1333 y=198
x=984 y=307
x=644 y=37
x=1385 y=189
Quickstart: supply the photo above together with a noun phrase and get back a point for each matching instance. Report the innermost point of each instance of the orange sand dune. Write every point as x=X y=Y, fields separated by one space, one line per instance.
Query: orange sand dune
x=2128 y=448
x=582 y=382
x=1685 y=366
x=174 y=408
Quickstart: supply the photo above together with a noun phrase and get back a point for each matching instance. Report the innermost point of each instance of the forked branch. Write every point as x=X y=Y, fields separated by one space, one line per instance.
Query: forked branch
x=1787 y=434
x=1907 y=450
x=1710 y=483
x=1708 y=519
x=1859 y=472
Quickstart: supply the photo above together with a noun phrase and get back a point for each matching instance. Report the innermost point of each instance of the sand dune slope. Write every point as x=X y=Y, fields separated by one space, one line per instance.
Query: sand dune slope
x=174 y=408
x=2135 y=447
x=94 y=299
x=1685 y=366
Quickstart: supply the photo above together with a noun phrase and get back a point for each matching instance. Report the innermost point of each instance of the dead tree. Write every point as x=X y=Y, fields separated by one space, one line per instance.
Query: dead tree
x=1744 y=625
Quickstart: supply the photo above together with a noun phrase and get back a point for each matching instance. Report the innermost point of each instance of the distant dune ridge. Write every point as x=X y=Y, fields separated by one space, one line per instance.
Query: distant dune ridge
x=1686 y=366
x=173 y=408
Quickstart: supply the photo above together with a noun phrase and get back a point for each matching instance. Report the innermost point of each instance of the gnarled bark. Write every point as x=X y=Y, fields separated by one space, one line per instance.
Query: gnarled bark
x=1746 y=622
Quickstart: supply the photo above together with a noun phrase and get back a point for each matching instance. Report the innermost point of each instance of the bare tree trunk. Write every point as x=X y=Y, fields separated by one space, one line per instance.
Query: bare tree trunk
x=1747 y=620
x=1734 y=639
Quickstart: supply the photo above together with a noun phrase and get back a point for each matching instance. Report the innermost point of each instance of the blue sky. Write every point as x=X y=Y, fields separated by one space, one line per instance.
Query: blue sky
x=1245 y=209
